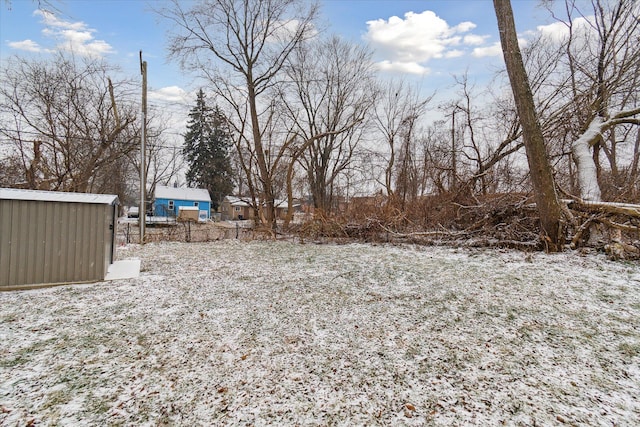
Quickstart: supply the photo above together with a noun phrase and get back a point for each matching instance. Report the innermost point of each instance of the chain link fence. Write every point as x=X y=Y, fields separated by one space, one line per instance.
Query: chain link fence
x=129 y=231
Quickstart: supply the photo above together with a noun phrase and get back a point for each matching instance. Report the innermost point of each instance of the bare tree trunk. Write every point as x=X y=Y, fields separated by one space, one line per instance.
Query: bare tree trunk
x=265 y=173
x=633 y=173
x=585 y=165
x=290 y=173
x=388 y=172
x=540 y=171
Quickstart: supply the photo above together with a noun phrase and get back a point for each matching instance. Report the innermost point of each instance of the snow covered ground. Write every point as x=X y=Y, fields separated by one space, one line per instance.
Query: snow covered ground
x=276 y=333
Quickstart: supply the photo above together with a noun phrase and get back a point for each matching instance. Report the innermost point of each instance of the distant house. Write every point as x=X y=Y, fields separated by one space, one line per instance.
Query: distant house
x=282 y=208
x=167 y=201
x=237 y=208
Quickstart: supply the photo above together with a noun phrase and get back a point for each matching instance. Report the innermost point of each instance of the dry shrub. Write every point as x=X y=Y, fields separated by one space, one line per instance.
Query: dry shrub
x=322 y=225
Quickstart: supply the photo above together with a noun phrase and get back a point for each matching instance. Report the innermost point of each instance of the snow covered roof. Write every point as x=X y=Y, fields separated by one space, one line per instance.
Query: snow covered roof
x=57 y=196
x=182 y=193
x=237 y=201
x=284 y=204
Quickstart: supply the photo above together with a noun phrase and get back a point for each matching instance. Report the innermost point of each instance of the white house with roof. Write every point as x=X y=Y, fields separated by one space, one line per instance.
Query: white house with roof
x=168 y=201
x=236 y=208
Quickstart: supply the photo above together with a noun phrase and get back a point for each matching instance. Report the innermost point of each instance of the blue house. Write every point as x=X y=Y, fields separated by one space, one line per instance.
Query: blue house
x=168 y=201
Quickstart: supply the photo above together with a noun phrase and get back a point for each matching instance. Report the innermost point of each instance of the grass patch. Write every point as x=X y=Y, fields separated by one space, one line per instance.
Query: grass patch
x=25 y=354
x=629 y=349
x=56 y=398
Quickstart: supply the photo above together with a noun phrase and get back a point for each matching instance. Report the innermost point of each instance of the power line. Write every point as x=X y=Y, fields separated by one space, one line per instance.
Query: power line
x=77 y=138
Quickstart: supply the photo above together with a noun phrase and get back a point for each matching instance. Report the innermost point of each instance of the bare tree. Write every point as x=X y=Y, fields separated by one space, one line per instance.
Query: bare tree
x=539 y=167
x=60 y=118
x=397 y=111
x=482 y=137
x=241 y=47
x=11 y=172
x=435 y=146
x=600 y=72
x=407 y=181
x=163 y=159
x=331 y=94
x=42 y=4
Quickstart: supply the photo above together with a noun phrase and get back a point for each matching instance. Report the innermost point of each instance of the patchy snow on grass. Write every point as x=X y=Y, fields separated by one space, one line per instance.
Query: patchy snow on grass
x=276 y=333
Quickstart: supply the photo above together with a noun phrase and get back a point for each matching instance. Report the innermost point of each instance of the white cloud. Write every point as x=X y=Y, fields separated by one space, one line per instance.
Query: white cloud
x=402 y=67
x=410 y=42
x=456 y=53
x=51 y=20
x=463 y=27
x=418 y=37
x=28 y=45
x=285 y=31
x=495 y=49
x=76 y=37
x=556 y=31
x=482 y=52
x=522 y=42
x=474 y=40
x=170 y=94
x=559 y=31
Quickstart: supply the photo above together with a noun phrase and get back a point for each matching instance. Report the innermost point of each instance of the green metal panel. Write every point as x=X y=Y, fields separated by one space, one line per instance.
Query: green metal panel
x=54 y=243
x=26 y=243
x=5 y=240
x=81 y=232
x=40 y=214
x=96 y=238
x=70 y=241
x=31 y=244
x=18 y=253
x=86 y=240
x=49 y=264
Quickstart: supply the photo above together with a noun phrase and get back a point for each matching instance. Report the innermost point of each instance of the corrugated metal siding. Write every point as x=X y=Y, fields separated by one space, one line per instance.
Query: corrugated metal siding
x=53 y=242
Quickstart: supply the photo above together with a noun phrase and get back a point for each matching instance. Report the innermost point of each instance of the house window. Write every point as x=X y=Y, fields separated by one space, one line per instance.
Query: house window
x=237 y=208
x=195 y=204
x=170 y=205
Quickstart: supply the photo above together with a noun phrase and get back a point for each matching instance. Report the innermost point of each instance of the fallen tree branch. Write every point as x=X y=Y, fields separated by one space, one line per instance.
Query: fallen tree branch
x=623 y=227
x=580 y=231
x=428 y=233
x=605 y=207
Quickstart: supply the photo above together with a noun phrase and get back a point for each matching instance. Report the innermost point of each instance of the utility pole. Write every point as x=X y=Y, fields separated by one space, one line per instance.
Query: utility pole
x=453 y=182
x=142 y=211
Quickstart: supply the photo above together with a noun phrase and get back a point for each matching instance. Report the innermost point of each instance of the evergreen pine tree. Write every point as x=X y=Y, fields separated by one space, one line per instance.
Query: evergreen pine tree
x=206 y=146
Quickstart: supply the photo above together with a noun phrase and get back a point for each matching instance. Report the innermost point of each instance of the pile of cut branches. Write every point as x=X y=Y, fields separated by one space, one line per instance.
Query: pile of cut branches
x=613 y=227
x=496 y=220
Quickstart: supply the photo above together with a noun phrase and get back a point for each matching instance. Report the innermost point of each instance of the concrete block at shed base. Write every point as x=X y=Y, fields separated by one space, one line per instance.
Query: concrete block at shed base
x=124 y=269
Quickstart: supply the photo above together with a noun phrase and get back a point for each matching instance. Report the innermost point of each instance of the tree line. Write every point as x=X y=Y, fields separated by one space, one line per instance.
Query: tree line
x=299 y=112
x=68 y=124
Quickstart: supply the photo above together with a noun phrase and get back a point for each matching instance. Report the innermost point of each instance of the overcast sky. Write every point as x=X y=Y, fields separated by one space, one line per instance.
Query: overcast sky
x=427 y=41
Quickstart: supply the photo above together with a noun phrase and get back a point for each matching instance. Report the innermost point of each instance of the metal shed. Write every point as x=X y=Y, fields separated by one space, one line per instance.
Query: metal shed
x=49 y=238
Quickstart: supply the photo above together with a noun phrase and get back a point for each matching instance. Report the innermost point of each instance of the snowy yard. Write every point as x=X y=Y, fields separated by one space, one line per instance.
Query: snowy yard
x=275 y=333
